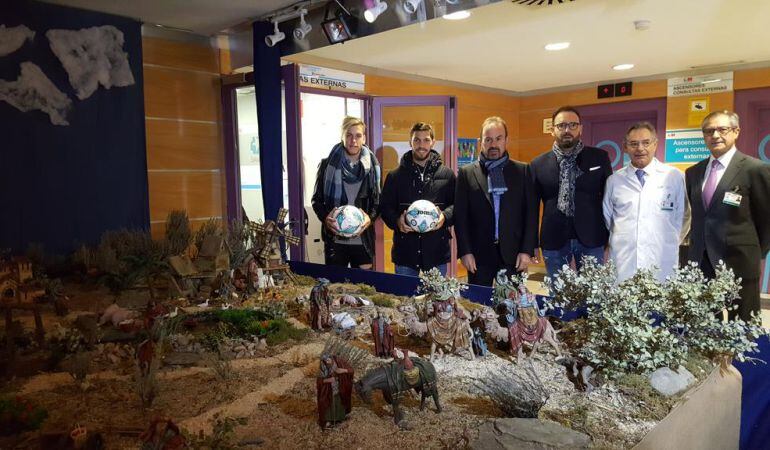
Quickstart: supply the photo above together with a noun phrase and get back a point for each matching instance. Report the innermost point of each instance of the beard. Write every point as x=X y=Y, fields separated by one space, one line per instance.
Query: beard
x=417 y=152
x=567 y=141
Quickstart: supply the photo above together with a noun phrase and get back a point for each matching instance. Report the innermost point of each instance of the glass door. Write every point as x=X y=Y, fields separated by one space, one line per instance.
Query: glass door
x=392 y=120
x=321 y=116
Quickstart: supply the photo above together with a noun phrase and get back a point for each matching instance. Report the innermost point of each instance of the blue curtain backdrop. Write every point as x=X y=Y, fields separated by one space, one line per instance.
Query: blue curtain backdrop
x=62 y=186
x=267 y=85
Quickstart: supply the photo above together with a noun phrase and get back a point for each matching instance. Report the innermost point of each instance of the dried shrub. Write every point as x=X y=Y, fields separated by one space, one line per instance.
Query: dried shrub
x=178 y=232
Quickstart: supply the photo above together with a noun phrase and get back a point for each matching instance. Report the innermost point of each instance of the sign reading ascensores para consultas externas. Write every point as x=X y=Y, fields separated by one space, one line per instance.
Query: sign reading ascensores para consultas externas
x=335 y=80
x=685 y=146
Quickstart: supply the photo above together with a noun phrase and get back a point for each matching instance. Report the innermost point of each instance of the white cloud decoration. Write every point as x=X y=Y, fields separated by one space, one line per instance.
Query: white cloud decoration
x=11 y=39
x=33 y=90
x=92 y=56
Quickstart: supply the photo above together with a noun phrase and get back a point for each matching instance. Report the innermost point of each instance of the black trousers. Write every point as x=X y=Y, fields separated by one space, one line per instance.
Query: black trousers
x=343 y=255
x=749 y=293
x=486 y=271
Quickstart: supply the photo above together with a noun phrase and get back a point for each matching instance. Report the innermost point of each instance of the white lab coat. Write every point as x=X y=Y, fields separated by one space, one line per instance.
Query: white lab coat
x=645 y=224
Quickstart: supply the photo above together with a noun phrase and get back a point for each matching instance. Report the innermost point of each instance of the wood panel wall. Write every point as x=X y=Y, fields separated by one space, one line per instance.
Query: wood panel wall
x=183 y=119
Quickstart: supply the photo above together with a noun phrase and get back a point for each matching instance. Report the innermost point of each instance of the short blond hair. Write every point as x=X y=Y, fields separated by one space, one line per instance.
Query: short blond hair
x=349 y=122
x=493 y=120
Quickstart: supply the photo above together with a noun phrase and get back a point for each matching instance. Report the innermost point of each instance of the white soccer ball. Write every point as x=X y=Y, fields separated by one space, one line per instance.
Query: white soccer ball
x=422 y=216
x=349 y=220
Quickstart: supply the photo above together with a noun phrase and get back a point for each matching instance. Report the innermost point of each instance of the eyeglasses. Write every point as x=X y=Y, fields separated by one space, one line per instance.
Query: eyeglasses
x=721 y=130
x=640 y=144
x=564 y=125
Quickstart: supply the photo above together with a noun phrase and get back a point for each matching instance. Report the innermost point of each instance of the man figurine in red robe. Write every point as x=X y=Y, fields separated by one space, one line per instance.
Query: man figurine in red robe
x=382 y=335
x=334 y=388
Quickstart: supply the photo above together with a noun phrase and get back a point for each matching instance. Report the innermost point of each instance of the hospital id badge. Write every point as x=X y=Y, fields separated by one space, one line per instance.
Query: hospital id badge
x=666 y=204
x=732 y=199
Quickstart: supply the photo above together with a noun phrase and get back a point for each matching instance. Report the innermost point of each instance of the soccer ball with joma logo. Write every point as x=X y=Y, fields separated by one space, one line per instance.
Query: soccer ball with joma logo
x=422 y=216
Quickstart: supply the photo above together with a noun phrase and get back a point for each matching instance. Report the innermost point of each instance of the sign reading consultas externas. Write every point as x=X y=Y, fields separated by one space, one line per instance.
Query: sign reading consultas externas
x=700 y=84
x=334 y=80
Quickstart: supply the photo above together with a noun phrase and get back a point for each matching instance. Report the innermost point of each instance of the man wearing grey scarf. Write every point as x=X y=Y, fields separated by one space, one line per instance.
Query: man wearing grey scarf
x=569 y=181
x=495 y=210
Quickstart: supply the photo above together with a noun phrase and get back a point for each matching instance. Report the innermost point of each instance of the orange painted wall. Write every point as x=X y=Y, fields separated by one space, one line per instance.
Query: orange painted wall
x=183 y=120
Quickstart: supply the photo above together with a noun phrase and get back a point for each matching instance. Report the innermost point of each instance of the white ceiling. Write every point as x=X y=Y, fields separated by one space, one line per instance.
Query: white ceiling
x=501 y=45
x=204 y=17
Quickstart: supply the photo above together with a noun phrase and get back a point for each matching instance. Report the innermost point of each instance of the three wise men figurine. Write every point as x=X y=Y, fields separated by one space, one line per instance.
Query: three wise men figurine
x=320 y=305
x=334 y=389
x=382 y=333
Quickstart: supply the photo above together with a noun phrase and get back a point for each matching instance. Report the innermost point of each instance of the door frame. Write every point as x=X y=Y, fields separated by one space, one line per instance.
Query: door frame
x=294 y=91
x=450 y=156
x=747 y=102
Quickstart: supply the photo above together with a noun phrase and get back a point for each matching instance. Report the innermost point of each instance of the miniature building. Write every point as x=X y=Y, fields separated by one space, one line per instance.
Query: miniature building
x=15 y=286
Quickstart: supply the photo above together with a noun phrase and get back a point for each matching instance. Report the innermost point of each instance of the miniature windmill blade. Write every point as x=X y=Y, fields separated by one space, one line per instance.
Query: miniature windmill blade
x=271 y=234
x=281 y=219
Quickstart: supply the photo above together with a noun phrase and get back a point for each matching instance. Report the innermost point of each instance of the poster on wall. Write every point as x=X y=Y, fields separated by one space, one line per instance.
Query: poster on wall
x=685 y=146
x=466 y=151
x=700 y=85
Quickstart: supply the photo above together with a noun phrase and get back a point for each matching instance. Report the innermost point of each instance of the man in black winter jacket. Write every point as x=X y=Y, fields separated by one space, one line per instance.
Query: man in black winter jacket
x=419 y=176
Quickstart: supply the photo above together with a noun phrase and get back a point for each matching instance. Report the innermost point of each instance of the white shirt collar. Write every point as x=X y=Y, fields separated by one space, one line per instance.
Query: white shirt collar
x=649 y=169
x=724 y=159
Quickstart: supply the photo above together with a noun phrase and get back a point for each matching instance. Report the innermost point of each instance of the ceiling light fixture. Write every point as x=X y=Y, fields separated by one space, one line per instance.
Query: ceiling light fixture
x=642 y=24
x=457 y=15
x=372 y=13
x=411 y=6
x=303 y=29
x=623 y=67
x=556 y=46
x=276 y=37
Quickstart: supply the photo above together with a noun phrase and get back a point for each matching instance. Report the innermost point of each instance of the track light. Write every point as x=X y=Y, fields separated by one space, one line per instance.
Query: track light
x=372 y=13
x=304 y=28
x=276 y=37
x=410 y=6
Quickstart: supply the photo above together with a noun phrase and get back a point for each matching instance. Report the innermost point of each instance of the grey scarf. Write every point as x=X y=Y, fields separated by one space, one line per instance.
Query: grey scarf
x=339 y=170
x=568 y=173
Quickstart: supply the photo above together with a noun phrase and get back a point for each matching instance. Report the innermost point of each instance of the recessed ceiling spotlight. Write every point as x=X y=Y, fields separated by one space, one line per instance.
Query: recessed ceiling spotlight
x=557 y=46
x=642 y=24
x=457 y=15
x=623 y=67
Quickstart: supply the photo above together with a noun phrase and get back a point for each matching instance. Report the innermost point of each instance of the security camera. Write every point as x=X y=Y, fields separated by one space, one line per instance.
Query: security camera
x=410 y=6
x=304 y=28
x=276 y=37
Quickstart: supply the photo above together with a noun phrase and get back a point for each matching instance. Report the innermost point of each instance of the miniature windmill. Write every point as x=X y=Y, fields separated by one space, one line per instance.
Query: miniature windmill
x=266 y=239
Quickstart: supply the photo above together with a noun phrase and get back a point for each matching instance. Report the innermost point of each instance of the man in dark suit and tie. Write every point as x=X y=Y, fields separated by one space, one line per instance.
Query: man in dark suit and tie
x=729 y=195
x=495 y=210
x=569 y=180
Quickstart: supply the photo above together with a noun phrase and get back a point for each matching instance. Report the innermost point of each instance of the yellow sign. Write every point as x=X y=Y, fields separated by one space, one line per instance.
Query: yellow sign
x=699 y=109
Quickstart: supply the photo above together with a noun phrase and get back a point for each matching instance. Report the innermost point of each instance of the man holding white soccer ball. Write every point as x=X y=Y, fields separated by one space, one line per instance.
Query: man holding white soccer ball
x=346 y=198
x=417 y=204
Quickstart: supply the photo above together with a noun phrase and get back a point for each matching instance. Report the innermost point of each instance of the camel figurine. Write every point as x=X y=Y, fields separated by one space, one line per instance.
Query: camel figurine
x=525 y=329
x=445 y=330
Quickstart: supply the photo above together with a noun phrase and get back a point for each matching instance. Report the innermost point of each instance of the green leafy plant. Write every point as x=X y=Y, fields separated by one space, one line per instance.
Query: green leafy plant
x=642 y=324
x=18 y=415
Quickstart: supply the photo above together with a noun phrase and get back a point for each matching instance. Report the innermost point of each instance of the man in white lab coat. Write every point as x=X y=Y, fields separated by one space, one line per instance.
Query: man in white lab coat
x=644 y=208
